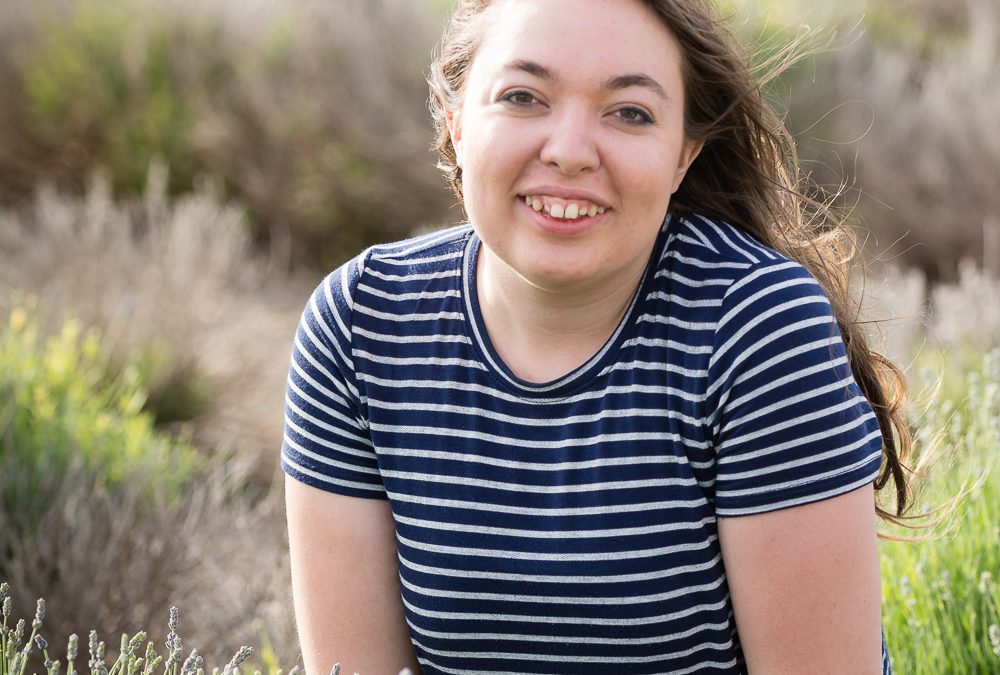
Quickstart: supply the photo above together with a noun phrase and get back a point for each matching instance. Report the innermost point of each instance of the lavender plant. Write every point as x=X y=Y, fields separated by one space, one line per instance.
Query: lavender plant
x=133 y=659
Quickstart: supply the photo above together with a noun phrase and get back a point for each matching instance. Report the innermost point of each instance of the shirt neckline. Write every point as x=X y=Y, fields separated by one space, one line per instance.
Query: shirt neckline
x=575 y=379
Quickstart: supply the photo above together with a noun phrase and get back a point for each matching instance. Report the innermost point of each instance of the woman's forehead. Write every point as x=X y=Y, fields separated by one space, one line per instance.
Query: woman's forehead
x=603 y=35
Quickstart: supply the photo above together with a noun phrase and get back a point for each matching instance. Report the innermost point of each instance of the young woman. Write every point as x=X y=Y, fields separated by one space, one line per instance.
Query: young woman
x=610 y=425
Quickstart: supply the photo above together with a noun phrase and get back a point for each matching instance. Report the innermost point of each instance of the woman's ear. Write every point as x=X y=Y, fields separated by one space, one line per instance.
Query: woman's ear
x=689 y=153
x=454 y=121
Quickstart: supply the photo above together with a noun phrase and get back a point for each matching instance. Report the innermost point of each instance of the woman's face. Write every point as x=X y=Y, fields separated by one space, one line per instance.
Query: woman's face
x=571 y=139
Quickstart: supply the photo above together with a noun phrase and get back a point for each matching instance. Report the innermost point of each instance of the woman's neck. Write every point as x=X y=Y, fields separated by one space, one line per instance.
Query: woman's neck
x=543 y=334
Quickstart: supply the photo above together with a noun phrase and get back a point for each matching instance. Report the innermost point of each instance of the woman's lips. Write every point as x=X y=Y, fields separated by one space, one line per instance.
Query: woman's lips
x=564 y=209
x=563 y=216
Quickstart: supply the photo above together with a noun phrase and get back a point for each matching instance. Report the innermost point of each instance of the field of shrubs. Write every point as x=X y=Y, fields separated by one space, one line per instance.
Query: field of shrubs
x=175 y=177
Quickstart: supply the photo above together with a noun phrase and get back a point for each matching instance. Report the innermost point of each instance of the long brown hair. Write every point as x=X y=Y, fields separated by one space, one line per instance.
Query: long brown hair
x=747 y=174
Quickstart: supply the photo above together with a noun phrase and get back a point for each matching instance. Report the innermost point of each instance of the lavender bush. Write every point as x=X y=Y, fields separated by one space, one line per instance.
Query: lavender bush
x=136 y=655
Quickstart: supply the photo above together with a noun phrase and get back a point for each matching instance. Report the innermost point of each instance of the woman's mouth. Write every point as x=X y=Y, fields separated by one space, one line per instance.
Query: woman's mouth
x=563 y=209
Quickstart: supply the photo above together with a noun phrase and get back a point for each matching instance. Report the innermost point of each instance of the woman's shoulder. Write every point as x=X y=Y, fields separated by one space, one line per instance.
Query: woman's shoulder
x=424 y=248
x=716 y=242
x=713 y=253
x=386 y=270
x=424 y=255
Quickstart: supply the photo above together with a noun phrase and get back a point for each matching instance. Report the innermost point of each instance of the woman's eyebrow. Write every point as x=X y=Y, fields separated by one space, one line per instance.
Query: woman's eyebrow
x=611 y=84
x=532 y=68
x=636 y=80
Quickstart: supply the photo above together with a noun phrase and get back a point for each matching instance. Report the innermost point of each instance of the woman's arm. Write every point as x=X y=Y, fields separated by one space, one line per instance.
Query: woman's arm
x=805 y=586
x=345 y=581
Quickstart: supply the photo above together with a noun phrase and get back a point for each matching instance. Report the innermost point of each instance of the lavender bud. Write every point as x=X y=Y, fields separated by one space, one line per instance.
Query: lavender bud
x=172 y=623
x=137 y=641
x=4 y=589
x=6 y=606
x=242 y=655
x=41 y=642
x=189 y=663
x=72 y=646
x=39 y=613
x=174 y=656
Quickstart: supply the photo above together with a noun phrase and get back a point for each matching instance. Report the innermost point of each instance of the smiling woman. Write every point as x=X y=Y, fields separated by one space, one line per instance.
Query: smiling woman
x=612 y=421
x=567 y=125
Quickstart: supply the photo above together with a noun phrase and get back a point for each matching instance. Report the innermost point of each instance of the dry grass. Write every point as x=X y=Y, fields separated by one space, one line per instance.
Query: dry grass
x=903 y=108
x=177 y=280
x=177 y=277
x=111 y=560
x=913 y=316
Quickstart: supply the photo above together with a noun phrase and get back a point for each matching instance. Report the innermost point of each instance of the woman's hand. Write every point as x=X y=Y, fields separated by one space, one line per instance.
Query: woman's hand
x=345 y=581
x=805 y=586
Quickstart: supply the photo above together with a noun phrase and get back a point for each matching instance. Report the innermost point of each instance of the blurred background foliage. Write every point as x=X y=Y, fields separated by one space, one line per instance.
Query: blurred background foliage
x=176 y=176
x=312 y=115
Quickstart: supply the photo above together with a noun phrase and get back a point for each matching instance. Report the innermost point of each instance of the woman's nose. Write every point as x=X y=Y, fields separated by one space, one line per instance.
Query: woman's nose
x=571 y=144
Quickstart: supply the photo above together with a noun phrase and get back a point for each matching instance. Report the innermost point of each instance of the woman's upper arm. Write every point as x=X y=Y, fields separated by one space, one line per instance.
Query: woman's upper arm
x=345 y=582
x=805 y=586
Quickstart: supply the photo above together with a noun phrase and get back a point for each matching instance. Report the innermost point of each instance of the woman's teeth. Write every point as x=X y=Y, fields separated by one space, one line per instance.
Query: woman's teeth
x=569 y=211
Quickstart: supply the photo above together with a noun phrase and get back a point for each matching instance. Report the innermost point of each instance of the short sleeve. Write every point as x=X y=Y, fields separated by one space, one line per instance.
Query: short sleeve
x=788 y=421
x=326 y=441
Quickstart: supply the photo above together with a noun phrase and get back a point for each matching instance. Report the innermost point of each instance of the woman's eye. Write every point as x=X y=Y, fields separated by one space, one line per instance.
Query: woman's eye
x=634 y=115
x=518 y=97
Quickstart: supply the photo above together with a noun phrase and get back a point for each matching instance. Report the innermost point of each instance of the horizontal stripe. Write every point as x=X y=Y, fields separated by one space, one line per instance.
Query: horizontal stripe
x=404 y=297
x=540 y=465
x=555 y=658
x=604 y=556
x=567 y=579
x=573 y=620
x=426 y=664
x=563 y=599
x=416 y=316
x=295 y=467
x=571 y=639
x=472 y=434
x=410 y=277
x=602 y=486
x=409 y=384
x=551 y=534
x=291 y=446
x=520 y=420
x=395 y=338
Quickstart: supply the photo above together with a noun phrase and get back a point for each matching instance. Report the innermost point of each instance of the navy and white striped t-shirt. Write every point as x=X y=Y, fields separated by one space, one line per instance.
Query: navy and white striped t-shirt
x=570 y=527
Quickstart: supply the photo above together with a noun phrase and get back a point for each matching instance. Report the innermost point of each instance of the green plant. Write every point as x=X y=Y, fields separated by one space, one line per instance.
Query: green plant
x=59 y=406
x=111 y=83
x=941 y=606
